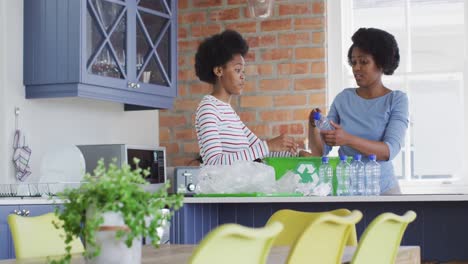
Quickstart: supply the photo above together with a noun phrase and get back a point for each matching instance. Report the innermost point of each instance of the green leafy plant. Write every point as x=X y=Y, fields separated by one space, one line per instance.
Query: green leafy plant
x=113 y=189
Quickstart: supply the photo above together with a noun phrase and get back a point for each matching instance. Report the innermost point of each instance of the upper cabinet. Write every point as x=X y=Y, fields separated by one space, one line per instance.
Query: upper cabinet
x=118 y=50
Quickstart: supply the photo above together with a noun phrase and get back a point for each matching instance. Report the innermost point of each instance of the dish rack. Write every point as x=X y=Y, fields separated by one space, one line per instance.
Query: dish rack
x=35 y=189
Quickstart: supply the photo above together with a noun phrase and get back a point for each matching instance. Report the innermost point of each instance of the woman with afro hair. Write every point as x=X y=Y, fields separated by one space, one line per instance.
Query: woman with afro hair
x=369 y=119
x=222 y=137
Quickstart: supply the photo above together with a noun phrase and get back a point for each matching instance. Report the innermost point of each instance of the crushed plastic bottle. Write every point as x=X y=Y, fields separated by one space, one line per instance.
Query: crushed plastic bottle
x=322 y=122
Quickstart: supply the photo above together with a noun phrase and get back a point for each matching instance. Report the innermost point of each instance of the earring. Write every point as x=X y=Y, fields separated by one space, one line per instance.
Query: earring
x=217 y=71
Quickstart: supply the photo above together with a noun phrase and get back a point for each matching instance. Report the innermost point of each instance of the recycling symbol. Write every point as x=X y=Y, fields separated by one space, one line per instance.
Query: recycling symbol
x=308 y=172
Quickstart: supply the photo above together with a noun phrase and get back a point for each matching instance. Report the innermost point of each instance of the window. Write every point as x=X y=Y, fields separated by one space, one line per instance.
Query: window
x=431 y=35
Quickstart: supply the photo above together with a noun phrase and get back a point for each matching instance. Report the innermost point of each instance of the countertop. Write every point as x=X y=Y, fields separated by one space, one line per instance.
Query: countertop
x=338 y=199
x=310 y=199
x=28 y=200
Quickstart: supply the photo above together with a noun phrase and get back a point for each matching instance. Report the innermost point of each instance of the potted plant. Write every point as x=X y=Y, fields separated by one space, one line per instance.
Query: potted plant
x=111 y=195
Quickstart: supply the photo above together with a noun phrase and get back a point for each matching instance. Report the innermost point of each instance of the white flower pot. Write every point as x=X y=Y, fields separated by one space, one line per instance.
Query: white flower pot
x=114 y=251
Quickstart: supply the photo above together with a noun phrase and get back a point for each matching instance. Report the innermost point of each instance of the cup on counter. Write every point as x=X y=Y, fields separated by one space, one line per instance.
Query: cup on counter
x=44 y=189
x=146 y=76
x=34 y=190
x=8 y=190
x=14 y=189
x=55 y=188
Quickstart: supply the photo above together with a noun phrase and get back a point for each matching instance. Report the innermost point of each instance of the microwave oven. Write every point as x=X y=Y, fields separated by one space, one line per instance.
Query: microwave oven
x=151 y=157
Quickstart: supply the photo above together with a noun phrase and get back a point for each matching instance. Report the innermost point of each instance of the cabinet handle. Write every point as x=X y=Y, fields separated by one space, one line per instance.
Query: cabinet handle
x=133 y=85
x=23 y=212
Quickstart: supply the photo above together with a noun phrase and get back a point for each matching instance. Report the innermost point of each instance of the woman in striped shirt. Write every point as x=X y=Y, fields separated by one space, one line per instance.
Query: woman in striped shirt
x=222 y=137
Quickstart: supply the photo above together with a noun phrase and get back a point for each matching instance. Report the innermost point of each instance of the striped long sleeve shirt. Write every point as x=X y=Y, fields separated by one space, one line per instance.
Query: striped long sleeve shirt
x=223 y=138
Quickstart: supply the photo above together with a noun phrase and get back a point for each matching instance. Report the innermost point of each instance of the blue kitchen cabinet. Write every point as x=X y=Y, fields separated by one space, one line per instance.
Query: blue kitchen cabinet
x=35 y=209
x=7 y=249
x=116 y=50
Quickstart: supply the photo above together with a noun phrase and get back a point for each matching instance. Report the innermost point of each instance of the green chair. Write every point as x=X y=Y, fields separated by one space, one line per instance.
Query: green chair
x=294 y=223
x=380 y=241
x=37 y=236
x=324 y=239
x=234 y=244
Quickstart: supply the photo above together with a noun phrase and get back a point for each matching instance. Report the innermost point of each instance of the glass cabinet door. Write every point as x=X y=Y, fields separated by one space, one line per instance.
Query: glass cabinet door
x=153 y=42
x=106 y=39
x=115 y=50
x=129 y=44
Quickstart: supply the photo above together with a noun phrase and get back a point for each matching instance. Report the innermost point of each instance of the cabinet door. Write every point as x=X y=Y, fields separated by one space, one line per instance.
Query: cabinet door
x=7 y=249
x=106 y=40
x=156 y=46
x=31 y=210
x=115 y=50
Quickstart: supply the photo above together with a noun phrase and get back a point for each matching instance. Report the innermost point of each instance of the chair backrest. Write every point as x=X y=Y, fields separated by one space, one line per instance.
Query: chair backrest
x=324 y=239
x=233 y=244
x=380 y=241
x=36 y=236
x=294 y=223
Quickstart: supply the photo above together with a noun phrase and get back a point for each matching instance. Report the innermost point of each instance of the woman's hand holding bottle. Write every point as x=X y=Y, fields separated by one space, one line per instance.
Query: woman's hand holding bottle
x=336 y=137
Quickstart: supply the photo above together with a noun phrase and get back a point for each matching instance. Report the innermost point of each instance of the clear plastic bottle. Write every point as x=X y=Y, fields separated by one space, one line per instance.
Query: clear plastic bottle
x=325 y=172
x=372 y=169
x=342 y=176
x=357 y=176
x=322 y=122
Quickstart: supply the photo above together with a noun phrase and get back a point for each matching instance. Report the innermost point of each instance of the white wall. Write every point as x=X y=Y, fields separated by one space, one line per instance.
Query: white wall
x=49 y=123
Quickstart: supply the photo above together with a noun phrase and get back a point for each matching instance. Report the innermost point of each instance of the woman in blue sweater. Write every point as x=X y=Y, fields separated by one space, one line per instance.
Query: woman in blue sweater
x=369 y=119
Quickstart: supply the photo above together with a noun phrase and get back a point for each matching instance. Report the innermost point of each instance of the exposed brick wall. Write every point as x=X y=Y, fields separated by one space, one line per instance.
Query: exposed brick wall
x=285 y=69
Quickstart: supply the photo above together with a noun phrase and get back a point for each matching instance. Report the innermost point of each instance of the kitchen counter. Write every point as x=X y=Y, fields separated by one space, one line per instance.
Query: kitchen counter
x=328 y=199
x=28 y=200
x=440 y=228
x=242 y=200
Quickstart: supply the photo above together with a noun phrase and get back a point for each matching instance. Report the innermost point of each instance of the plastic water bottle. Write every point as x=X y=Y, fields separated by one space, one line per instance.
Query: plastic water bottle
x=322 y=122
x=372 y=169
x=325 y=172
x=357 y=176
x=342 y=176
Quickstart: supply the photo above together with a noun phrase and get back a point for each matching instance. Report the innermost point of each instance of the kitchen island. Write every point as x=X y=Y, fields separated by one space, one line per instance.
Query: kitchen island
x=440 y=229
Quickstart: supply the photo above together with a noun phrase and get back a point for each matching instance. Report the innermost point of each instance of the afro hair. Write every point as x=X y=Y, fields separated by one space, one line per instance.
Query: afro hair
x=218 y=50
x=380 y=44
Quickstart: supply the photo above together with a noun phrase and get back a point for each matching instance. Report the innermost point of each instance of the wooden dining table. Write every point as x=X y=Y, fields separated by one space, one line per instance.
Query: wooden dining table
x=180 y=254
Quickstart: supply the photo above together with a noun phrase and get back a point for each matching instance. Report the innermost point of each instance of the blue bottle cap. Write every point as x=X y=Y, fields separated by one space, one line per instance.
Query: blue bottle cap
x=357 y=157
x=317 y=115
x=343 y=157
x=324 y=159
x=372 y=157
